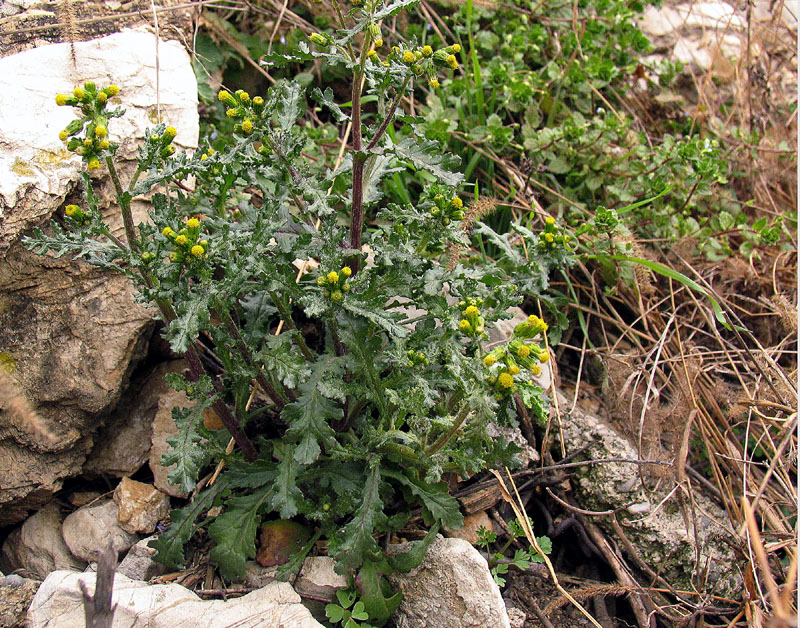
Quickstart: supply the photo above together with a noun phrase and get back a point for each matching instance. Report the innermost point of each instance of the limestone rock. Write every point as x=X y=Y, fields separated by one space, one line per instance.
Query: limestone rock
x=164 y=426
x=37 y=547
x=139 y=562
x=663 y=536
x=58 y=605
x=516 y=618
x=452 y=587
x=123 y=442
x=89 y=529
x=73 y=332
x=141 y=506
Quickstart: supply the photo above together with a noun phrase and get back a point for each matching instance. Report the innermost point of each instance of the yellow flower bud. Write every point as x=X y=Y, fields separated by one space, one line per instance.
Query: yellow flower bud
x=337 y=295
x=456 y=48
x=456 y=202
x=378 y=43
x=550 y=220
x=258 y=101
x=408 y=57
x=451 y=61
x=112 y=90
x=78 y=93
x=193 y=223
x=197 y=250
x=464 y=325
x=100 y=130
x=93 y=164
x=247 y=126
x=104 y=144
x=489 y=360
x=333 y=277
x=346 y=271
x=524 y=351
x=471 y=311
x=170 y=131
x=102 y=97
x=320 y=280
x=513 y=369
x=63 y=135
x=427 y=51
x=180 y=240
x=175 y=257
x=61 y=99
x=71 y=210
x=167 y=232
x=87 y=142
x=203 y=157
x=433 y=83
x=544 y=357
x=536 y=369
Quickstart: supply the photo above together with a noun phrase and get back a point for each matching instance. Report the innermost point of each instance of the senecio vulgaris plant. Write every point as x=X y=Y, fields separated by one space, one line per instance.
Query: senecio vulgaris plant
x=381 y=380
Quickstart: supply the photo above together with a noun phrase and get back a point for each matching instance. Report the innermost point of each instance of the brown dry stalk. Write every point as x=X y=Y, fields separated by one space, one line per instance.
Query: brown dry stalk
x=587 y=593
x=18 y=412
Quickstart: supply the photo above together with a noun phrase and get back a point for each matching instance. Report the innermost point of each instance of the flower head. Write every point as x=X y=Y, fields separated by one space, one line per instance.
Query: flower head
x=524 y=351
x=71 y=210
x=427 y=51
x=103 y=144
x=408 y=57
x=167 y=232
x=102 y=97
x=63 y=135
x=100 y=130
x=433 y=83
x=346 y=271
x=333 y=277
x=471 y=311
x=93 y=164
x=193 y=223
x=112 y=90
x=505 y=379
x=489 y=360
x=61 y=99
x=464 y=325
x=247 y=126
x=197 y=250
x=78 y=93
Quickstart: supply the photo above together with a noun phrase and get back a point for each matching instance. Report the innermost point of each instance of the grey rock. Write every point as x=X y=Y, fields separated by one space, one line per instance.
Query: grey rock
x=452 y=587
x=139 y=562
x=13 y=581
x=141 y=506
x=58 y=604
x=74 y=332
x=257 y=576
x=516 y=617
x=88 y=530
x=662 y=535
x=37 y=547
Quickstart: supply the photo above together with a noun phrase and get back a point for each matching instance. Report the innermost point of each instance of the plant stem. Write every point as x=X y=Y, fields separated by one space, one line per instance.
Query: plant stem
x=124 y=202
x=221 y=408
x=287 y=319
x=357 y=210
x=444 y=438
x=233 y=330
x=390 y=113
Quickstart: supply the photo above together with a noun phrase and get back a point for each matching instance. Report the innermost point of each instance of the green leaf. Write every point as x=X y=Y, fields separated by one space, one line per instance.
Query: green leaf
x=434 y=498
x=326 y=100
x=428 y=156
x=287 y=96
x=193 y=313
x=383 y=319
x=558 y=165
x=234 y=532
x=358 y=544
x=406 y=561
x=285 y=495
x=187 y=453
x=308 y=417
x=334 y=612
x=169 y=545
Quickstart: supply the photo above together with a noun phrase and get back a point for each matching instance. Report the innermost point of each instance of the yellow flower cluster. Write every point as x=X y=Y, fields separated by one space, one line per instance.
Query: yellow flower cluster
x=188 y=244
x=335 y=284
x=92 y=122
x=471 y=323
x=249 y=110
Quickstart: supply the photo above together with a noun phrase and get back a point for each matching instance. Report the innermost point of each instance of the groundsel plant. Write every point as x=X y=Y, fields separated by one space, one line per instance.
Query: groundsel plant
x=348 y=389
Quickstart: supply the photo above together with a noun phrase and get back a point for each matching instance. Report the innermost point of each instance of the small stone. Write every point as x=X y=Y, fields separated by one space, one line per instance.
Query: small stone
x=278 y=540
x=89 y=529
x=15 y=598
x=141 y=506
x=13 y=581
x=37 y=547
x=257 y=576
x=81 y=498
x=516 y=617
x=472 y=523
x=139 y=562
x=317 y=578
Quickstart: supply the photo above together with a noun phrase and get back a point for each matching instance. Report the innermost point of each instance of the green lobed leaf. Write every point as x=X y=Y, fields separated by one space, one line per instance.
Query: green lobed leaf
x=187 y=453
x=434 y=498
x=326 y=100
x=234 y=532
x=427 y=155
x=358 y=544
x=308 y=417
x=285 y=495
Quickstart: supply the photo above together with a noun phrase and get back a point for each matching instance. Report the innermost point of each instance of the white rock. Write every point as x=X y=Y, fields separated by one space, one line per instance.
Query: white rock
x=37 y=546
x=139 y=562
x=516 y=617
x=452 y=587
x=89 y=529
x=141 y=506
x=58 y=604
x=34 y=166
